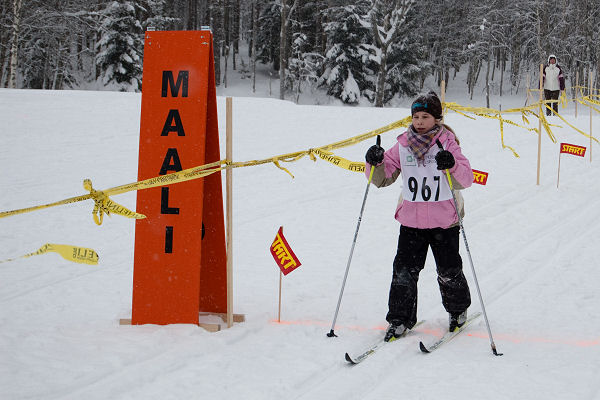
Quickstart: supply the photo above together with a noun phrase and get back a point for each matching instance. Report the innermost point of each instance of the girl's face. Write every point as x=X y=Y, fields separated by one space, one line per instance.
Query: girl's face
x=423 y=121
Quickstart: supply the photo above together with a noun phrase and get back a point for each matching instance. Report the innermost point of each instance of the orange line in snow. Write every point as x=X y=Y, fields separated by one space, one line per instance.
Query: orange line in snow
x=531 y=339
x=438 y=332
x=325 y=324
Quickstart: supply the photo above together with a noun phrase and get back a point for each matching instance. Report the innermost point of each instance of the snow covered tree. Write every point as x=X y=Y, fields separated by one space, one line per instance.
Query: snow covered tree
x=304 y=66
x=386 y=20
x=120 y=46
x=367 y=52
x=288 y=7
x=154 y=14
x=14 y=43
x=406 y=63
x=268 y=32
x=345 y=75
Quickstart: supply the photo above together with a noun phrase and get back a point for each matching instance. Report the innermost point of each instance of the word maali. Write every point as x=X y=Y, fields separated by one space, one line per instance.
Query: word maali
x=180 y=258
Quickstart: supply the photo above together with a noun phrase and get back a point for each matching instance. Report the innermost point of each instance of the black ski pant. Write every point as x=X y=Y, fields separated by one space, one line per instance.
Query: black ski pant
x=552 y=95
x=410 y=258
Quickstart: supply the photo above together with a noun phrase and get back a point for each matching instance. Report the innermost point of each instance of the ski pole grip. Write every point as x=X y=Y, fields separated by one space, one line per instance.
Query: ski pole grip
x=378 y=142
x=447 y=173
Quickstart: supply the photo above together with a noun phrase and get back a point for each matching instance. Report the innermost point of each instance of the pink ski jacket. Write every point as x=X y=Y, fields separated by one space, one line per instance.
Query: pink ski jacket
x=425 y=215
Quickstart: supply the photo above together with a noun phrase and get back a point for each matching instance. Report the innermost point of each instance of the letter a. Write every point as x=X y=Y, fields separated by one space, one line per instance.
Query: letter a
x=167 y=165
x=169 y=127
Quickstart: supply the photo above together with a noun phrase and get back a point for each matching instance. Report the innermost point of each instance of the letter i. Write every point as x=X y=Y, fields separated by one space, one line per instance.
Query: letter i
x=169 y=239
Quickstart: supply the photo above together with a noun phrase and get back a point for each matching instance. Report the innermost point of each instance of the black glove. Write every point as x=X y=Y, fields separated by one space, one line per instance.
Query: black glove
x=374 y=155
x=444 y=160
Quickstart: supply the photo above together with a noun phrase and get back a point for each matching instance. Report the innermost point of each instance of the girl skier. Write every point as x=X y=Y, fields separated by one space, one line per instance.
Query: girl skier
x=426 y=213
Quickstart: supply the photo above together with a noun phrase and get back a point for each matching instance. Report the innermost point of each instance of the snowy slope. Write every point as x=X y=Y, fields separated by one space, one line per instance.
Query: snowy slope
x=535 y=250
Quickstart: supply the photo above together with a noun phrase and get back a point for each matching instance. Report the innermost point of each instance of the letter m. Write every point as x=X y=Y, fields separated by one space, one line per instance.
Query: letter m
x=168 y=81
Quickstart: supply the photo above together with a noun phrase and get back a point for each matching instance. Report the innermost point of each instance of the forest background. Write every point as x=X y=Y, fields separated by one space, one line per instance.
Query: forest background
x=360 y=52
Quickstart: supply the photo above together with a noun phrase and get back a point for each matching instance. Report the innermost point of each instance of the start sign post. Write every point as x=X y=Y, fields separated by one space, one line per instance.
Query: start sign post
x=180 y=256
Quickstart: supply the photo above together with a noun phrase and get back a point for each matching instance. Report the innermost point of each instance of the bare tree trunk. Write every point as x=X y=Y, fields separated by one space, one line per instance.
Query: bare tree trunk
x=487 y=80
x=226 y=32
x=213 y=19
x=286 y=11
x=235 y=30
x=57 y=68
x=253 y=47
x=494 y=68
x=283 y=49
x=590 y=92
x=391 y=25
x=14 y=49
x=5 y=67
x=381 y=75
x=226 y=38
x=502 y=74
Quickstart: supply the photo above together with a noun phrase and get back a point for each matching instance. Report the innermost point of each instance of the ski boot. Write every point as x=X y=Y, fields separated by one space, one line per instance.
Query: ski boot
x=394 y=331
x=457 y=320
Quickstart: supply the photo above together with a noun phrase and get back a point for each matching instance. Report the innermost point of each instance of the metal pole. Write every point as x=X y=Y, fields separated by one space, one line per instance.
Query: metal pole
x=362 y=208
x=462 y=229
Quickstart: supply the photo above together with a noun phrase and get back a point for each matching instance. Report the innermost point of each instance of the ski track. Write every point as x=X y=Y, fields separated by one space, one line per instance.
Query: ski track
x=505 y=284
x=538 y=243
x=357 y=381
x=522 y=240
x=45 y=284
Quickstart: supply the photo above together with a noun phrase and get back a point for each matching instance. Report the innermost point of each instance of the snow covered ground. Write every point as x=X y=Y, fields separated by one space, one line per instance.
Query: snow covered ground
x=535 y=250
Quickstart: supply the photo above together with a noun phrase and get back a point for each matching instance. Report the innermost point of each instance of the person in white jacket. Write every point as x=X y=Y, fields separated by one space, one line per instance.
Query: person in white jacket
x=554 y=82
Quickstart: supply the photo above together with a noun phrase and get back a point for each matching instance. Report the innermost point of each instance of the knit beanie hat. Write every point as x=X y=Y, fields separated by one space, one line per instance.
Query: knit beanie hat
x=430 y=103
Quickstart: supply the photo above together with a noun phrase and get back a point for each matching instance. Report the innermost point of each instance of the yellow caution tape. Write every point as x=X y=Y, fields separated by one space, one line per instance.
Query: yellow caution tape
x=588 y=101
x=76 y=254
x=563 y=98
x=104 y=205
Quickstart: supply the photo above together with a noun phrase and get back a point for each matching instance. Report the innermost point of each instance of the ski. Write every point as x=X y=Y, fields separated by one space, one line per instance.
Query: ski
x=373 y=348
x=448 y=336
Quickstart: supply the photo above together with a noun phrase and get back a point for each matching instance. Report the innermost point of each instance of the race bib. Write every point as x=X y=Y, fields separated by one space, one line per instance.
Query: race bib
x=423 y=183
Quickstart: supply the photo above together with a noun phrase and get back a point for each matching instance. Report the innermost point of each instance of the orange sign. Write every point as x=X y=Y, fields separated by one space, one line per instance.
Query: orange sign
x=480 y=177
x=180 y=258
x=283 y=255
x=572 y=149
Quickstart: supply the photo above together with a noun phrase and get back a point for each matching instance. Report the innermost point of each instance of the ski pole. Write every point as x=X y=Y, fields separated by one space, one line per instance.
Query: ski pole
x=362 y=208
x=462 y=229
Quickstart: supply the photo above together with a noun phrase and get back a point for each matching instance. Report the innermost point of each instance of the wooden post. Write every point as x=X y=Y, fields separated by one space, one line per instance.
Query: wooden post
x=229 y=184
x=443 y=89
x=540 y=122
x=279 y=313
x=576 y=91
x=591 y=93
x=558 y=174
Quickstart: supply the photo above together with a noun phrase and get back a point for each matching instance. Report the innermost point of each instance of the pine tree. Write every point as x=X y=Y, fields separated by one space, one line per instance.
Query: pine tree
x=345 y=76
x=153 y=14
x=120 y=46
x=406 y=64
x=387 y=20
x=304 y=66
x=267 y=35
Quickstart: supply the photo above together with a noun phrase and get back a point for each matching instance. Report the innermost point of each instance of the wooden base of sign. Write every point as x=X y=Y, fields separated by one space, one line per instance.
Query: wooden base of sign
x=209 y=327
x=236 y=317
